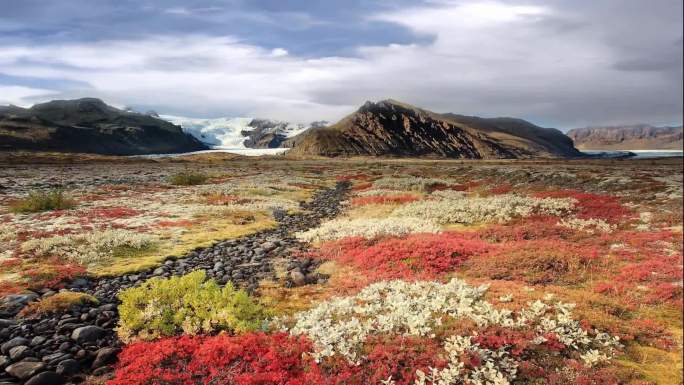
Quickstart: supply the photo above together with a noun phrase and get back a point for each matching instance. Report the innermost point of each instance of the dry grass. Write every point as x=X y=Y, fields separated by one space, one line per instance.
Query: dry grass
x=205 y=234
x=59 y=302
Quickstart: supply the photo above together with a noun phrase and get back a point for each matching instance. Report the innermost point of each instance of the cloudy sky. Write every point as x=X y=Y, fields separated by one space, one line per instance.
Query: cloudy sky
x=562 y=63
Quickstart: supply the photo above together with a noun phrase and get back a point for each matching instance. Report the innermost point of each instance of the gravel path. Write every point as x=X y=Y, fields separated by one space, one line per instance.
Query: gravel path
x=64 y=348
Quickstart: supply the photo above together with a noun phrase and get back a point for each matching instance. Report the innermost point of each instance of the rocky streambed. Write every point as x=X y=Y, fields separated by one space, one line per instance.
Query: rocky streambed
x=65 y=348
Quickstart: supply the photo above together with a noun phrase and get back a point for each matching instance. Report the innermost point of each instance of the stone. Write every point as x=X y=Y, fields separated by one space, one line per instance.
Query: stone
x=16 y=341
x=46 y=378
x=5 y=323
x=38 y=340
x=86 y=334
x=105 y=356
x=79 y=282
x=14 y=301
x=19 y=352
x=25 y=369
x=68 y=367
x=298 y=279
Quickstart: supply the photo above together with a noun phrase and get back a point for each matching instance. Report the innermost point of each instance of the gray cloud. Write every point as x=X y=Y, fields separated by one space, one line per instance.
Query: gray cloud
x=564 y=63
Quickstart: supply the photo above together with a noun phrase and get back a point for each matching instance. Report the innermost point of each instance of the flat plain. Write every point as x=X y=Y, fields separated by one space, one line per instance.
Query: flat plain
x=359 y=271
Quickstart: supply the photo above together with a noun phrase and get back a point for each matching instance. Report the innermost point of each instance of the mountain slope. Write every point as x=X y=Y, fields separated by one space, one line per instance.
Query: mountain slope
x=391 y=128
x=90 y=126
x=630 y=137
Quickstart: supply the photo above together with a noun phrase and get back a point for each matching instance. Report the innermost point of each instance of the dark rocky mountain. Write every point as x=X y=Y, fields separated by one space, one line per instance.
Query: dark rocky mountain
x=629 y=137
x=391 y=128
x=90 y=126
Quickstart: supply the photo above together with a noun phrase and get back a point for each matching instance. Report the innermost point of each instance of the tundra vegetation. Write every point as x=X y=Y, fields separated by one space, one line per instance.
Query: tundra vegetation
x=440 y=273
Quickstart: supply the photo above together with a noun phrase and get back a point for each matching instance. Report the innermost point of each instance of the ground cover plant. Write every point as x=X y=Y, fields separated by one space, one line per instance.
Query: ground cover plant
x=434 y=273
x=187 y=178
x=38 y=201
x=59 y=302
x=190 y=304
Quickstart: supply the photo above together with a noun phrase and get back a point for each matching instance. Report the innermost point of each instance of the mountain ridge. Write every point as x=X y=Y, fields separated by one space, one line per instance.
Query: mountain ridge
x=628 y=137
x=88 y=125
x=393 y=128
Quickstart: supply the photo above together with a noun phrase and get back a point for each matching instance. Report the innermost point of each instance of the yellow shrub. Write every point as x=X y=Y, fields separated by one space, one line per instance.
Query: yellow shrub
x=189 y=304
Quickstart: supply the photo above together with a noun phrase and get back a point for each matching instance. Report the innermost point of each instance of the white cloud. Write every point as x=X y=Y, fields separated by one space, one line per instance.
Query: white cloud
x=490 y=58
x=279 y=52
x=177 y=11
x=22 y=96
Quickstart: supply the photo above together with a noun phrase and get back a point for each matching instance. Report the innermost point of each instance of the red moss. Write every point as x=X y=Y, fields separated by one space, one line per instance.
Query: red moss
x=251 y=359
x=589 y=205
x=52 y=273
x=351 y=177
x=535 y=262
x=395 y=357
x=444 y=186
x=111 y=213
x=362 y=186
x=383 y=199
x=501 y=189
x=416 y=256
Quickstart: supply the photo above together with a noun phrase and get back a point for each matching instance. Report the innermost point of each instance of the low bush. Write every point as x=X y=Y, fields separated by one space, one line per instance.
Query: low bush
x=188 y=178
x=416 y=256
x=368 y=228
x=590 y=206
x=189 y=304
x=60 y=302
x=38 y=201
x=92 y=247
x=410 y=183
x=52 y=273
x=482 y=344
x=496 y=208
x=250 y=359
x=398 y=358
x=383 y=199
x=535 y=262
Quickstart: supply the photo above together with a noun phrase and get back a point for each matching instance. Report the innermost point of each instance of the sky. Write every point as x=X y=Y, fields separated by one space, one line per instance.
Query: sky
x=557 y=63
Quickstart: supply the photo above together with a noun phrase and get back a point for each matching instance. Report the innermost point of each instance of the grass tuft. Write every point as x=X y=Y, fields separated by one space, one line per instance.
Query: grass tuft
x=59 y=302
x=188 y=178
x=38 y=201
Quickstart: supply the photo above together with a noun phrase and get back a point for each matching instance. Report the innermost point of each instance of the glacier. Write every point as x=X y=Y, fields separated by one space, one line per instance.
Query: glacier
x=228 y=133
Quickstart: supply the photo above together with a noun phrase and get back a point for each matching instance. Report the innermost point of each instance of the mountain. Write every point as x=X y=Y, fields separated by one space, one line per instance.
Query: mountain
x=89 y=125
x=392 y=128
x=628 y=137
x=239 y=133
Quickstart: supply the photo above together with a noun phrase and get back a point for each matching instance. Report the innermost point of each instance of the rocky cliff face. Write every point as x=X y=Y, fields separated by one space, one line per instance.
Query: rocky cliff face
x=90 y=126
x=391 y=128
x=631 y=137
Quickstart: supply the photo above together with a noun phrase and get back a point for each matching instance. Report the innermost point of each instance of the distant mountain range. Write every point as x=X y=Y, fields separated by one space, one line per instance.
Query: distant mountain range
x=627 y=137
x=90 y=126
x=392 y=128
x=385 y=128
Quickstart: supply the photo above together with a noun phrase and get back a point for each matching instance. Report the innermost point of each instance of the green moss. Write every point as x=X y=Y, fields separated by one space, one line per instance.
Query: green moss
x=189 y=304
x=38 y=201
